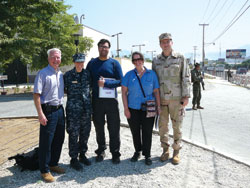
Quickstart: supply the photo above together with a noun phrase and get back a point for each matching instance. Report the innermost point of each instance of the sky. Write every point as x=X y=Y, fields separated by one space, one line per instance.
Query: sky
x=142 y=21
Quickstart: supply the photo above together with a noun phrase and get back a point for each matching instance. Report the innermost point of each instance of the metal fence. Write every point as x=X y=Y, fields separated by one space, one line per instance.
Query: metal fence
x=241 y=80
x=238 y=79
x=221 y=74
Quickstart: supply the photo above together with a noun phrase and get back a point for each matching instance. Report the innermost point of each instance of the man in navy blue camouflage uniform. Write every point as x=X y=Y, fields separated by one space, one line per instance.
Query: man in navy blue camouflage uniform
x=78 y=111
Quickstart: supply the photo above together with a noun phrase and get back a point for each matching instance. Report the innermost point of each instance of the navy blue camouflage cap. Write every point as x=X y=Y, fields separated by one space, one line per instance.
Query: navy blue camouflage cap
x=80 y=57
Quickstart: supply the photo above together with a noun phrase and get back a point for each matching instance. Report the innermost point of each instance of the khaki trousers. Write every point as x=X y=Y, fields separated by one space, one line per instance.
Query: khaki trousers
x=175 y=111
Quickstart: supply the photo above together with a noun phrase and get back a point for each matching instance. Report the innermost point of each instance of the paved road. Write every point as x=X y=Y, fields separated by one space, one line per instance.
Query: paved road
x=224 y=124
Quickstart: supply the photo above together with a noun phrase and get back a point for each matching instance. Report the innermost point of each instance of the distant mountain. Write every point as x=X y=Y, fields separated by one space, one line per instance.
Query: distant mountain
x=209 y=55
x=128 y=53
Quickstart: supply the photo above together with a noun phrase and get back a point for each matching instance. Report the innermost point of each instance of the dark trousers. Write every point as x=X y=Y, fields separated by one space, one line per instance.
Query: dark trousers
x=141 y=129
x=109 y=108
x=78 y=128
x=196 y=94
x=51 y=139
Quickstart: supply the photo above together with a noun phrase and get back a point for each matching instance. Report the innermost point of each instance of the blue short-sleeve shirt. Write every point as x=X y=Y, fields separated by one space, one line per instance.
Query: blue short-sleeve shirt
x=149 y=82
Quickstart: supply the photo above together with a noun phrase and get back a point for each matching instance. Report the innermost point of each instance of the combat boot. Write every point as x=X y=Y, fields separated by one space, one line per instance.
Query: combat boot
x=74 y=163
x=200 y=107
x=83 y=159
x=176 y=158
x=194 y=108
x=165 y=154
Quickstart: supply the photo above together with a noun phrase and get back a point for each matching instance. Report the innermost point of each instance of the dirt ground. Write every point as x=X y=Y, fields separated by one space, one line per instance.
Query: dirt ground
x=17 y=90
x=17 y=135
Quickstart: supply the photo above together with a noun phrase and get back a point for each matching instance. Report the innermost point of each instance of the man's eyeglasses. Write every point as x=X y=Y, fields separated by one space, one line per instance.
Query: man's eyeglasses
x=104 y=47
x=139 y=59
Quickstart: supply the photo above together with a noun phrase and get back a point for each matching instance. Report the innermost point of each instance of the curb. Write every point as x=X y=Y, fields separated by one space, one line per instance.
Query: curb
x=17 y=117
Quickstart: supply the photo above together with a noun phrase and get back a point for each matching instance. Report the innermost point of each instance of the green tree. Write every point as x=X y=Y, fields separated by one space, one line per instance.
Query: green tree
x=28 y=28
x=148 y=60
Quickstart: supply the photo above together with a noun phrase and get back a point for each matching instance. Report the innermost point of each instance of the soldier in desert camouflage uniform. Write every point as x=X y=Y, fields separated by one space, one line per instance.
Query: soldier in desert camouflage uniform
x=78 y=111
x=174 y=78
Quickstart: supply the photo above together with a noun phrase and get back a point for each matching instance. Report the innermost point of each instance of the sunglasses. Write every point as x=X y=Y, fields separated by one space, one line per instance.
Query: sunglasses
x=139 y=59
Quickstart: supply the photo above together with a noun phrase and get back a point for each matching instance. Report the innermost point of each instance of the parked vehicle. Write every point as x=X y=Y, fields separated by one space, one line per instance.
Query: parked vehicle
x=220 y=67
x=241 y=71
x=210 y=68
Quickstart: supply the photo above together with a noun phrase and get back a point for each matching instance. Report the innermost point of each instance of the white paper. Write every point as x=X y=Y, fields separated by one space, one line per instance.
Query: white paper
x=105 y=92
x=157 y=122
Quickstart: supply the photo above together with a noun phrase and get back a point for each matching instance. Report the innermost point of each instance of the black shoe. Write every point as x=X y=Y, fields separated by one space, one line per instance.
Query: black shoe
x=100 y=157
x=83 y=159
x=135 y=157
x=194 y=108
x=148 y=161
x=74 y=163
x=200 y=107
x=116 y=160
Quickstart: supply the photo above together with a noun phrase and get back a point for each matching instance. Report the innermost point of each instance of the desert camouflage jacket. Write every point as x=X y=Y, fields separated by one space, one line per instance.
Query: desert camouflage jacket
x=173 y=75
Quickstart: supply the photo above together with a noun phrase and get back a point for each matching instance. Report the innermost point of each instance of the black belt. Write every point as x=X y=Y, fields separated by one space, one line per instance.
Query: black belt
x=48 y=107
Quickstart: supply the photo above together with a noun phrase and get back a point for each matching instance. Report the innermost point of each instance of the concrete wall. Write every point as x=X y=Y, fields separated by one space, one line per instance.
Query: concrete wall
x=127 y=65
x=96 y=36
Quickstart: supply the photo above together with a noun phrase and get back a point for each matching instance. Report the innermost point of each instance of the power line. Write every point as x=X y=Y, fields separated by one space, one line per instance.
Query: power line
x=224 y=15
x=237 y=14
x=219 y=11
x=205 y=11
x=226 y=29
x=213 y=10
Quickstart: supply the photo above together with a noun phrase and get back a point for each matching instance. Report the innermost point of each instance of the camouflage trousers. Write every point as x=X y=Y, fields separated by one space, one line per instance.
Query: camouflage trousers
x=171 y=109
x=78 y=129
x=196 y=95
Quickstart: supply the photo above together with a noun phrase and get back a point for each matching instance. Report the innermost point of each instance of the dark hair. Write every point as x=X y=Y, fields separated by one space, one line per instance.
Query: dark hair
x=103 y=41
x=138 y=53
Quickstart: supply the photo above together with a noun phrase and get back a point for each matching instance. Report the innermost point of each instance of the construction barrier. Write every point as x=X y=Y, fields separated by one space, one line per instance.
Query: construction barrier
x=241 y=80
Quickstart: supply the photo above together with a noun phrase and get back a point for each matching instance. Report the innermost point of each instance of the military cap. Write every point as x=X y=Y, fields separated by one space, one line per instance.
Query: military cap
x=165 y=36
x=80 y=57
x=197 y=64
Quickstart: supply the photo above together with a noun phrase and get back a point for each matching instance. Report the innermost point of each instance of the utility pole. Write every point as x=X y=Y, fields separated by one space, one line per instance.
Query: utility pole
x=152 y=53
x=195 y=48
x=203 y=49
x=139 y=46
x=220 y=50
x=117 y=34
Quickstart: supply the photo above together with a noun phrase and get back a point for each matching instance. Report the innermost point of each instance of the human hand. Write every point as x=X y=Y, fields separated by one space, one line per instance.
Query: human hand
x=159 y=110
x=127 y=113
x=101 y=82
x=184 y=101
x=42 y=119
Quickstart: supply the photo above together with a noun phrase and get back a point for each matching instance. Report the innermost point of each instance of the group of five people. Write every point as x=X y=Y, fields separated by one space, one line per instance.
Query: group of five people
x=168 y=84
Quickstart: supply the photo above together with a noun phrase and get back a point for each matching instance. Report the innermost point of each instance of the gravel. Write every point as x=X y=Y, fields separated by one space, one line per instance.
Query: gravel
x=198 y=168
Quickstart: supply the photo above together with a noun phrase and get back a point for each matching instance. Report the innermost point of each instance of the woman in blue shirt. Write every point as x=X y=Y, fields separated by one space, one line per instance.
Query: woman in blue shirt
x=132 y=96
